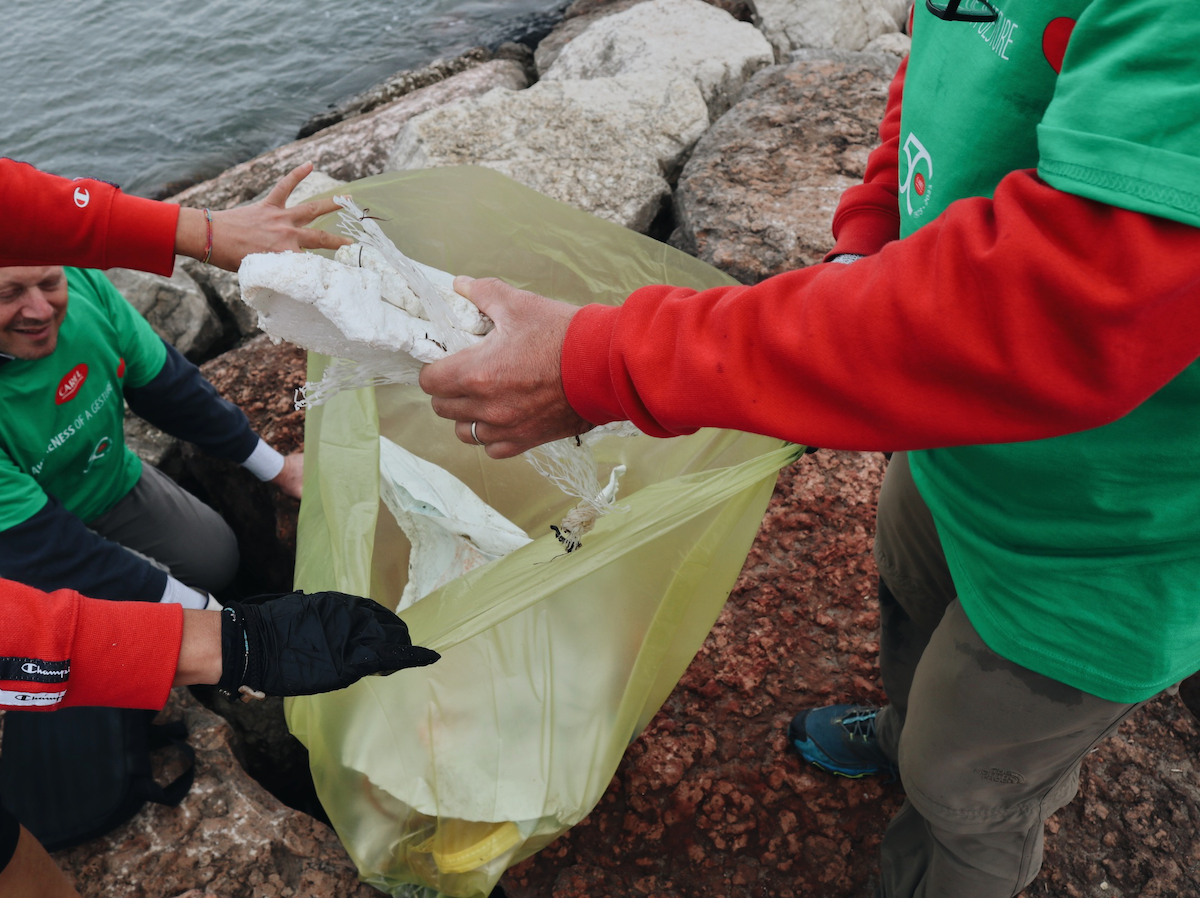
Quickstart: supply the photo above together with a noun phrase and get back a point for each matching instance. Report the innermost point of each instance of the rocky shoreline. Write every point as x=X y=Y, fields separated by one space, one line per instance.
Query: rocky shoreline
x=728 y=128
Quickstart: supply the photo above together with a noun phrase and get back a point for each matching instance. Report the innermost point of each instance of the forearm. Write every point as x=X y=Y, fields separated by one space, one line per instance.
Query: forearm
x=200 y=649
x=1030 y=316
x=85 y=223
x=80 y=651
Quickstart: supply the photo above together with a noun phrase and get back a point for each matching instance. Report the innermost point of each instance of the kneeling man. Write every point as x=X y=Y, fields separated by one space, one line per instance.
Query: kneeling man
x=77 y=508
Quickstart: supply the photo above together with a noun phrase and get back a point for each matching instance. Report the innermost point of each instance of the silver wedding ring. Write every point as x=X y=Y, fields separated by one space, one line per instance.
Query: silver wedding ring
x=474 y=435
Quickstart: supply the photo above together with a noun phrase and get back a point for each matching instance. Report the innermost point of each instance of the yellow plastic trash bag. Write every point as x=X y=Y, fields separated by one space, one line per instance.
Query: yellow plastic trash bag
x=437 y=779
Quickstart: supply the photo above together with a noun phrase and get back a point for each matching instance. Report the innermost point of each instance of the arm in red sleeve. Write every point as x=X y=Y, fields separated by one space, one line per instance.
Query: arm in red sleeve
x=1031 y=315
x=867 y=215
x=86 y=223
x=60 y=649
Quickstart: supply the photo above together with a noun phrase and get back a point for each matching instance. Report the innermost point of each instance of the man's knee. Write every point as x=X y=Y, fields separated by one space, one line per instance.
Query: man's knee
x=213 y=561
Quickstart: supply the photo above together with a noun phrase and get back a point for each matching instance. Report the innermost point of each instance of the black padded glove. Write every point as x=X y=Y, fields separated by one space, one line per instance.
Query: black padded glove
x=299 y=644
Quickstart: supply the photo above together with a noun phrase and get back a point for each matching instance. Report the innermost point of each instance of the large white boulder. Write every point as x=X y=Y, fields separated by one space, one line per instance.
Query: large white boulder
x=606 y=146
x=842 y=25
x=664 y=38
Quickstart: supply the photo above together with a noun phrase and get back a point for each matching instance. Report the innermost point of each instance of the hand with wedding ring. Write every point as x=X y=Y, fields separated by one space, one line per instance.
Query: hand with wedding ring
x=510 y=382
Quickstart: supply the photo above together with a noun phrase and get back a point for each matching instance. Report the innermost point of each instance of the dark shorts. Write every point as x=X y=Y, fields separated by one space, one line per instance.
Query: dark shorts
x=10 y=831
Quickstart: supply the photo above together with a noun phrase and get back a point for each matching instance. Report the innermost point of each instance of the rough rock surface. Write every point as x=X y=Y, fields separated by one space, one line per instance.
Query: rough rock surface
x=229 y=837
x=845 y=25
x=355 y=148
x=261 y=378
x=710 y=801
x=583 y=12
x=893 y=42
x=607 y=146
x=578 y=17
x=757 y=196
x=175 y=307
x=152 y=446
x=742 y=10
x=393 y=88
x=680 y=37
x=224 y=294
x=1132 y=830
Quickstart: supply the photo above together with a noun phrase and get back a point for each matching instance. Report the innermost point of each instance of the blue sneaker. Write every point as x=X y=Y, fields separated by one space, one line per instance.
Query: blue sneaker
x=841 y=740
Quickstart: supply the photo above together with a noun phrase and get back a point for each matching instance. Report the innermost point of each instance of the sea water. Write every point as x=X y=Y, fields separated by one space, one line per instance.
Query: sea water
x=154 y=93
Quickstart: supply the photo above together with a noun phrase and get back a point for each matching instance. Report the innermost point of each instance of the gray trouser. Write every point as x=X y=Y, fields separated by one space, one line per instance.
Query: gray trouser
x=173 y=530
x=987 y=749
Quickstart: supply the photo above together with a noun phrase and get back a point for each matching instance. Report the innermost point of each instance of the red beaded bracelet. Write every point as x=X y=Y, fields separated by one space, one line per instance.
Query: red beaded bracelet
x=208 y=240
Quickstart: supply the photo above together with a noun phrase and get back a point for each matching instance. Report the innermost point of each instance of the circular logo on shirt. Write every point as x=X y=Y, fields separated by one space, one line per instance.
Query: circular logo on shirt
x=82 y=197
x=69 y=386
x=1054 y=41
x=918 y=176
x=98 y=453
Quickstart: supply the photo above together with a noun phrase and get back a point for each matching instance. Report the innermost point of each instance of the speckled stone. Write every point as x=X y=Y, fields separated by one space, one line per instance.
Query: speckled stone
x=709 y=801
x=228 y=838
x=261 y=378
x=758 y=194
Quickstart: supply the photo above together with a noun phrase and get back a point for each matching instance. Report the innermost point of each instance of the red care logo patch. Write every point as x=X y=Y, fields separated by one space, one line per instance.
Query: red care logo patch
x=69 y=385
x=121 y=369
x=919 y=184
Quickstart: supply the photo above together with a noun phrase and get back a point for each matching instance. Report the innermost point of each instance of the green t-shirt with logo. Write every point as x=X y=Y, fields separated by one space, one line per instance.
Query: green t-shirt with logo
x=1077 y=557
x=62 y=431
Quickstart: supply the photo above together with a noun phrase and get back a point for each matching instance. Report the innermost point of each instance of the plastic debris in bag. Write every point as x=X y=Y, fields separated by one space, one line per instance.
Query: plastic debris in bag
x=381 y=316
x=437 y=779
x=452 y=530
x=340 y=311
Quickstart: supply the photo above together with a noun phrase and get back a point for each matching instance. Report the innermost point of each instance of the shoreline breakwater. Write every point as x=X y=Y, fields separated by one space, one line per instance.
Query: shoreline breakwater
x=729 y=129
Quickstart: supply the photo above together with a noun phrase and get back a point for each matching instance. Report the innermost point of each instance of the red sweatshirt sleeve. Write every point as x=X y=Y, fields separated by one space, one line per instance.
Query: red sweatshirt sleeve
x=60 y=649
x=868 y=214
x=49 y=220
x=1031 y=315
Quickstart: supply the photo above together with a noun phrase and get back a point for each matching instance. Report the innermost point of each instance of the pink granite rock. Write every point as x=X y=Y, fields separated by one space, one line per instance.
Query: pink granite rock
x=758 y=194
x=228 y=838
x=709 y=801
x=261 y=378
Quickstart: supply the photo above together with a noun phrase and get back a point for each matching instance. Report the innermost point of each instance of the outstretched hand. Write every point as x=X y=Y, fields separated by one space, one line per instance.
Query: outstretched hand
x=509 y=385
x=301 y=644
x=267 y=226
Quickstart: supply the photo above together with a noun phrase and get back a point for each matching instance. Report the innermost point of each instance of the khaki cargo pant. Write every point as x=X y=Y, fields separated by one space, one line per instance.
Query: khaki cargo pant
x=987 y=749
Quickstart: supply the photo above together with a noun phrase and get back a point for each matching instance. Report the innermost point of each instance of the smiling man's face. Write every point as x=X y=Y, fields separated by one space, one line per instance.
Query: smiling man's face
x=33 y=303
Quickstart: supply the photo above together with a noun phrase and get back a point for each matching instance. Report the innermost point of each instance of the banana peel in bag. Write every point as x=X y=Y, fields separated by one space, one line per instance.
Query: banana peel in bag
x=438 y=779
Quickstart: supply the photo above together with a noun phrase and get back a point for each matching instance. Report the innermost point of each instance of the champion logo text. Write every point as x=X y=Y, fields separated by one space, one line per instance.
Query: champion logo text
x=34 y=670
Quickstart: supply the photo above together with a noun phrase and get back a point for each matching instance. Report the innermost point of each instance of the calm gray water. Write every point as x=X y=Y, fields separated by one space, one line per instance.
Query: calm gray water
x=148 y=92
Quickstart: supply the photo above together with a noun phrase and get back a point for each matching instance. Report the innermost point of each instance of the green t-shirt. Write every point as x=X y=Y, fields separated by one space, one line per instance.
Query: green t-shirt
x=62 y=431
x=1077 y=557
